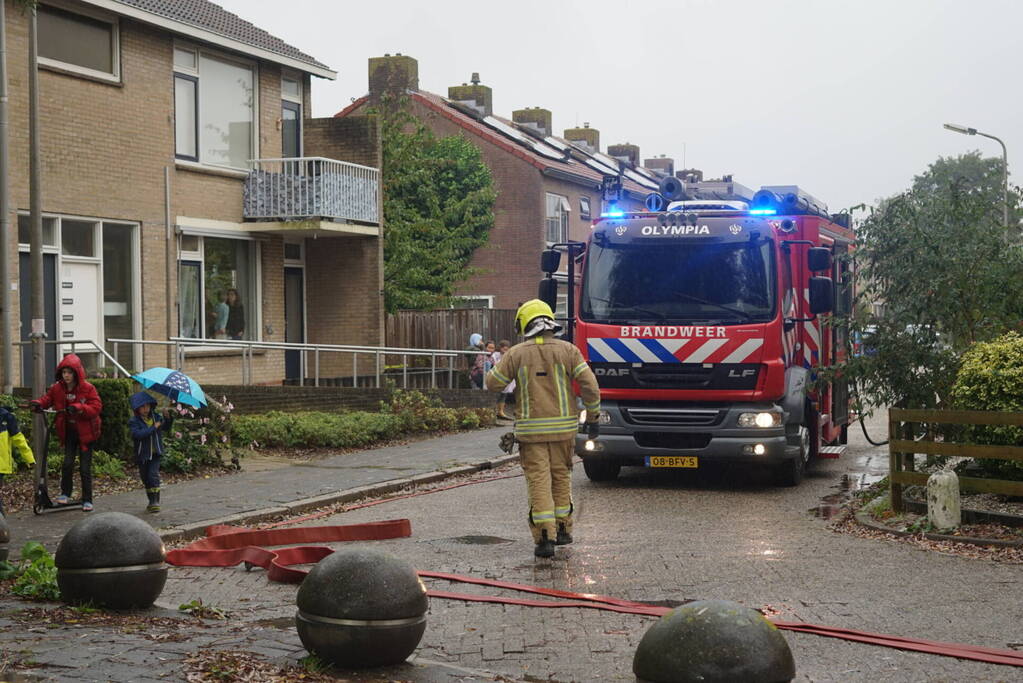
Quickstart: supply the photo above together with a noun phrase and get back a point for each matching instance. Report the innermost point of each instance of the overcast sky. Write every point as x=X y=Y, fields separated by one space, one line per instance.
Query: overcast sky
x=845 y=99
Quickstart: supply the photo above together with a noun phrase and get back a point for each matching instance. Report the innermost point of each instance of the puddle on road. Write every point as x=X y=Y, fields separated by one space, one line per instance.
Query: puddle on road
x=476 y=540
x=862 y=474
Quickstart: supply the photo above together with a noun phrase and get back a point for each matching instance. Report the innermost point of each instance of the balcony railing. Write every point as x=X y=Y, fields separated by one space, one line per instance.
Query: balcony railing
x=311 y=187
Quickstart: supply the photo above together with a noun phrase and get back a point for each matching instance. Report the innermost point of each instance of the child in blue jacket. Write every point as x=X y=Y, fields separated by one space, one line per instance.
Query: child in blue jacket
x=146 y=425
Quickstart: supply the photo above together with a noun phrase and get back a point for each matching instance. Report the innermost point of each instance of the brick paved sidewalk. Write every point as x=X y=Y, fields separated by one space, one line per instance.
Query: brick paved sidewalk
x=190 y=506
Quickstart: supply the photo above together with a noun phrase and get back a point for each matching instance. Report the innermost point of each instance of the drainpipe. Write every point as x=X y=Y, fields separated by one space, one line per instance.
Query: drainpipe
x=169 y=294
x=6 y=345
x=38 y=334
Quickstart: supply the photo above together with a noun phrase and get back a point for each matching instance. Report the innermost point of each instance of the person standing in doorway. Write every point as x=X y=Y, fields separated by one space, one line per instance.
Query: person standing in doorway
x=546 y=418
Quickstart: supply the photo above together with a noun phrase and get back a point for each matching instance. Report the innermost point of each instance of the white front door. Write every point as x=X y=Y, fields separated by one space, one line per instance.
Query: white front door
x=80 y=304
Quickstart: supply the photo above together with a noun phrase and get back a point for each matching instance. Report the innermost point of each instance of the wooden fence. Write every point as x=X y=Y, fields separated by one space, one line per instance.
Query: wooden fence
x=449 y=328
x=902 y=449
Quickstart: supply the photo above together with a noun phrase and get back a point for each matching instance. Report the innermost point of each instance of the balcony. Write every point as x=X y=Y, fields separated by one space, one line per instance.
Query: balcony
x=312 y=195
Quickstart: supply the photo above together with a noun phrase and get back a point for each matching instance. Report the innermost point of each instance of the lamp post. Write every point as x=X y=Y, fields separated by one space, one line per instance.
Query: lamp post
x=1005 y=163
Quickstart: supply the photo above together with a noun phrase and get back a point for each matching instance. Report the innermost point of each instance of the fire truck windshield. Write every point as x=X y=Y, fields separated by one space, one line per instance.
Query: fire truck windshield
x=682 y=280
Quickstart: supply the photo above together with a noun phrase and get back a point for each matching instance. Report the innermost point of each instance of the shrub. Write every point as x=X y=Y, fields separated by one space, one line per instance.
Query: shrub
x=199 y=437
x=115 y=394
x=408 y=412
x=991 y=378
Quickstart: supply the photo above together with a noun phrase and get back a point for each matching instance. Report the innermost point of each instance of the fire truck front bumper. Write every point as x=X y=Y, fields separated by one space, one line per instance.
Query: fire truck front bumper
x=688 y=435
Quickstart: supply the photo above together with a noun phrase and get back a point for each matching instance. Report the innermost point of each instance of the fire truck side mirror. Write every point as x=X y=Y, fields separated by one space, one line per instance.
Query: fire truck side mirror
x=548 y=292
x=822 y=295
x=550 y=260
x=818 y=259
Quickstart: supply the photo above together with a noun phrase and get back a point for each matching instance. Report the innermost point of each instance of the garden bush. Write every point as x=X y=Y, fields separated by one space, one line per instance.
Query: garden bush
x=991 y=378
x=114 y=393
x=408 y=412
x=199 y=437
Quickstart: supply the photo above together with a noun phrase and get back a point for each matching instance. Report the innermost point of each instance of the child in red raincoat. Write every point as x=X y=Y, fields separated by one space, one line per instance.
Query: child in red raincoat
x=78 y=424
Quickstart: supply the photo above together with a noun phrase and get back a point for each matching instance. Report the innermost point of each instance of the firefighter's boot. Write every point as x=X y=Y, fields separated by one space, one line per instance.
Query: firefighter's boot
x=545 y=547
x=564 y=538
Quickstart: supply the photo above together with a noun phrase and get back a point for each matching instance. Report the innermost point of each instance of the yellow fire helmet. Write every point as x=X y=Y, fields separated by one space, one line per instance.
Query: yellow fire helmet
x=534 y=308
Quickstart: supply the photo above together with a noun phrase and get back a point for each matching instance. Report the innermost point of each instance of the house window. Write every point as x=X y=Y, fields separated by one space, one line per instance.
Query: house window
x=49 y=230
x=584 y=208
x=214 y=109
x=78 y=238
x=291 y=116
x=557 y=218
x=79 y=43
x=217 y=289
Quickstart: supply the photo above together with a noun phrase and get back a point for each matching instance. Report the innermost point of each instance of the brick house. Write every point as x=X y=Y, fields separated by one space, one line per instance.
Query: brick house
x=177 y=108
x=549 y=188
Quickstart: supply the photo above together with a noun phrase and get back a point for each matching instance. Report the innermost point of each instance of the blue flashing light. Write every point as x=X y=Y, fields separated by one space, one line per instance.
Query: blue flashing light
x=617 y=213
x=763 y=212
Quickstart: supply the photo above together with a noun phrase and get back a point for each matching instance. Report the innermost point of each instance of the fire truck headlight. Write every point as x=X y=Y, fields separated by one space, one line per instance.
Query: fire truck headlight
x=763 y=420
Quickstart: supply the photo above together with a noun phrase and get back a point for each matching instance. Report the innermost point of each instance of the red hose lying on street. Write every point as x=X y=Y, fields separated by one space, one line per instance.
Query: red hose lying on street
x=226 y=546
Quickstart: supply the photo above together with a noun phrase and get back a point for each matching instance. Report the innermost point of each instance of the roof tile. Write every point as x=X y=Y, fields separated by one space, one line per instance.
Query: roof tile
x=214 y=18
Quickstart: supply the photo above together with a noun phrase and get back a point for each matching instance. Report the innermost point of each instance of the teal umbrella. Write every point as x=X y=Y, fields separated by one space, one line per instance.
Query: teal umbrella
x=174 y=384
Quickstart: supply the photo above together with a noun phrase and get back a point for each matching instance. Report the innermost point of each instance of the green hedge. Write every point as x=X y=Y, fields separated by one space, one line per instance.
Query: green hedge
x=408 y=412
x=991 y=378
x=115 y=437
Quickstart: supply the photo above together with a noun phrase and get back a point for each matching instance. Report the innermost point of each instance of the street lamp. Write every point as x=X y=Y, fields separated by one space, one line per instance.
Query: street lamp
x=1005 y=162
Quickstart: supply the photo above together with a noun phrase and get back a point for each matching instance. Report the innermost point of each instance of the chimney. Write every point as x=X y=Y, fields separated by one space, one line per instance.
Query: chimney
x=536 y=118
x=662 y=164
x=395 y=75
x=690 y=175
x=585 y=138
x=476 y=95
x=629 y=153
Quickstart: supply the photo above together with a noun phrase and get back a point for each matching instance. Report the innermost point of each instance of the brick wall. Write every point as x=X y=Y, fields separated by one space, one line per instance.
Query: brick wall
x=105 y=148
x=249 y=400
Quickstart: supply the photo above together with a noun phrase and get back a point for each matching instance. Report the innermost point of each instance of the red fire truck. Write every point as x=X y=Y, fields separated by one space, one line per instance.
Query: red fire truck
x=701 y=320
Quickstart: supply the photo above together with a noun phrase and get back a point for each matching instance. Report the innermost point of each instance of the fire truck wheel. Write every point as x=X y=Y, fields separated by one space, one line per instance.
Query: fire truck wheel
x=600 y=468
x=790 y=472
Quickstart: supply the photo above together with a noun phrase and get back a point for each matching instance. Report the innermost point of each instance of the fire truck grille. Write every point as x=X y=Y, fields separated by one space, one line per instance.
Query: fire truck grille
x=669 y=376
x=678 y=417
x=675 y=440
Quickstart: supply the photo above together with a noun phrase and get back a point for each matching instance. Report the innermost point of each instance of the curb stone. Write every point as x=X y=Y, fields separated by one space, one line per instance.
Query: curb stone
x=193 y=530
x=864 y=519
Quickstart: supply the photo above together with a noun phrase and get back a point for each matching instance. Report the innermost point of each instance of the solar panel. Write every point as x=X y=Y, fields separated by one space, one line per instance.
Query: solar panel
x=523 y=139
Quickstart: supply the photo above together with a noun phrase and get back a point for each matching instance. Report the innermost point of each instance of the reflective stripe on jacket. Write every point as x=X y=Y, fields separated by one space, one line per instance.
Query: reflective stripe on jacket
x=543 y=368
x=11 y=437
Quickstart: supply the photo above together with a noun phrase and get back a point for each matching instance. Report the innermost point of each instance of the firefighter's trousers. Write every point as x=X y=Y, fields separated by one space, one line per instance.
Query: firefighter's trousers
x=548 y=469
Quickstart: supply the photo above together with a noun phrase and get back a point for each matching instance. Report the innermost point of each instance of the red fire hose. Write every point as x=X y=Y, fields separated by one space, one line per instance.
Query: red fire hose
x=226 y=546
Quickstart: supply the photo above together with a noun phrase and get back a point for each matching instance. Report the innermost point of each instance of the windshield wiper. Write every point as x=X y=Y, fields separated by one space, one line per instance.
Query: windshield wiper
x=723 y=307
x=645 y=311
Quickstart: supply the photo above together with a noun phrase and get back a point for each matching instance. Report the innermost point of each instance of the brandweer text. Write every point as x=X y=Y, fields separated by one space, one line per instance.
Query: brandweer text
x=673 y=331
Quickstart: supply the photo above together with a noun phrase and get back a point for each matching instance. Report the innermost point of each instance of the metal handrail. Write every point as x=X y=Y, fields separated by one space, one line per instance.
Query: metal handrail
x=181 y=344
x=74 y=342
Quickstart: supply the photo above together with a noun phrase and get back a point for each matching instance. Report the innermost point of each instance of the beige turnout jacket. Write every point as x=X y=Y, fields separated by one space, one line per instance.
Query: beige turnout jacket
x=543 y=369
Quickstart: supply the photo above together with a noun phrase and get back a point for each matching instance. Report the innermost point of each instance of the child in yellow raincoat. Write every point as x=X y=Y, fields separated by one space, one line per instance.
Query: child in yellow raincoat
x=11 y=438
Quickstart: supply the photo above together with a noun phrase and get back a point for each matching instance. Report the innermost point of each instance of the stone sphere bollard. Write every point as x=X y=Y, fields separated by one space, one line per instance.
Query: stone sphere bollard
x=944 y=508
x=111 y=559
x=5 y=539
x=713 y=641
x=361 y=608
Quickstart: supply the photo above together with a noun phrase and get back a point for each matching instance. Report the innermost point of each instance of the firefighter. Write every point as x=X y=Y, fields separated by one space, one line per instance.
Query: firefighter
x=546 y=418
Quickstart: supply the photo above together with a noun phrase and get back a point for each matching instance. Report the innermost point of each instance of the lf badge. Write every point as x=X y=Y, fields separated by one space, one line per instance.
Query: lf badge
x=621 y=230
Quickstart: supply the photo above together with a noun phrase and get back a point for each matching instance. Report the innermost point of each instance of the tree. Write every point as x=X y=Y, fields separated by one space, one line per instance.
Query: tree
x=438 y=208
x=946 y=273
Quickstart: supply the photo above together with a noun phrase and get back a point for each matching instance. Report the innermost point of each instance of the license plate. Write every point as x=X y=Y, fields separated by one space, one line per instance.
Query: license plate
x=672 y=461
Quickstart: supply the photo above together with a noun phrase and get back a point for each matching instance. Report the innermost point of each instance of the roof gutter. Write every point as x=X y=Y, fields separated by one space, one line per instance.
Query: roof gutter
x=211 y=37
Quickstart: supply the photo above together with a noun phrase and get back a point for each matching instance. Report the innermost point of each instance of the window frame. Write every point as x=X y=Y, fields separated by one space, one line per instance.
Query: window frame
x=487 y=298
x=115 y=43
x=196 y=74
x=199 y=257
x=562 y=216
x=584 y=208
x=195 y=113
